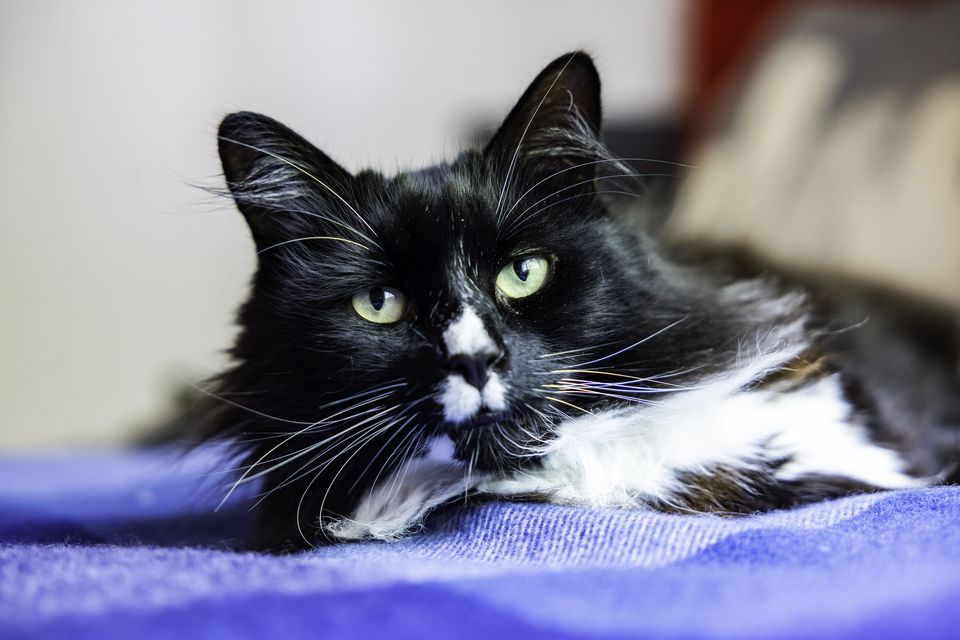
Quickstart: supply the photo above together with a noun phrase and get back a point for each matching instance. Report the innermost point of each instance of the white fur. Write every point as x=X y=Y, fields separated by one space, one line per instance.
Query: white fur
x=634 y=456
x=396 y=505
x=467 y=336
x=637 y=456
x=495 y=393
x=821 y=436
x=460 y=399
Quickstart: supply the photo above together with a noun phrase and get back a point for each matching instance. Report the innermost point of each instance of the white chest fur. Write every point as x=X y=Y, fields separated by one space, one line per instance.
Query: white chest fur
x=636 y=456
x=633 y=456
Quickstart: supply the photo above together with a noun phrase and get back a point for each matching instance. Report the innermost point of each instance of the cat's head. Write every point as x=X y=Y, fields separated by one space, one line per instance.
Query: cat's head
x=485 y=299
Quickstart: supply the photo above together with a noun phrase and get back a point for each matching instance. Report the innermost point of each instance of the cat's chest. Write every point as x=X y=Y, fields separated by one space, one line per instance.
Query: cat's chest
x=718 y=447
x=710 y=441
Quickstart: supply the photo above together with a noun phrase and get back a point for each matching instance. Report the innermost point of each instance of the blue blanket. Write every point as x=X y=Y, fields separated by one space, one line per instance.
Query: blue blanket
x=127 y=545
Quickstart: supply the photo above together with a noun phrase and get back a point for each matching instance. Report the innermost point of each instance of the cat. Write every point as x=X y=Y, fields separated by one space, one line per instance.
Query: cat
x=491 y=327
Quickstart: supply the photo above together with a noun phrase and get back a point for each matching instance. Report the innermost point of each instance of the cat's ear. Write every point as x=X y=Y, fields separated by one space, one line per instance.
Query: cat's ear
x=557 y=118
x=277 y=179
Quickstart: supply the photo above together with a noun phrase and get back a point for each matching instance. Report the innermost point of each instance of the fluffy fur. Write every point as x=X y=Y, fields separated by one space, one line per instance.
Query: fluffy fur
x=629 y=380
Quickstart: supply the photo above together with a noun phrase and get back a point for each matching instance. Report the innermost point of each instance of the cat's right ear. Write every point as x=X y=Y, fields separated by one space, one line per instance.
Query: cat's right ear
x=277 y=179
x=557 y=119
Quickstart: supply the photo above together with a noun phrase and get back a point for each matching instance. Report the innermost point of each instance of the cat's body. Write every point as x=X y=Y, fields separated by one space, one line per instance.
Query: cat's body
x=488 y=326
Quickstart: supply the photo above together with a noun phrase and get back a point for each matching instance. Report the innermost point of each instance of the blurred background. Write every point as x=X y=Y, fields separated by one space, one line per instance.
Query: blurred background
x=824 y=136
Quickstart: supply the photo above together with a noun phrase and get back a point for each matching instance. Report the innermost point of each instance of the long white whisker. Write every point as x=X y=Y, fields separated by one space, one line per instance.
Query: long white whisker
x=613 y=176
x=523 y=214
x=333 y=221
x=290 y=457
x=352 y=440
x=333 y=440
x=408 y=453
x=306 y=238
x=241 y=479
x=570 y=351
x=631 y=386
x=392 y=384
x=585 y=392
x=240 y=406
x=634 y=345
x=323 y=500
x=587 y=164
x=396 y=431
x=514 y=225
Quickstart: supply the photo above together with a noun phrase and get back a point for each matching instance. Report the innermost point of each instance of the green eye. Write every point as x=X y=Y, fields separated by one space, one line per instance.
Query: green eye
x=382 y=305
x=523 y=277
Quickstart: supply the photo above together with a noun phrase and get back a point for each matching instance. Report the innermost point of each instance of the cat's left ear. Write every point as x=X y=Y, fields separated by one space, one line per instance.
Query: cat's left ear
x=277 y=178
x=557 y=120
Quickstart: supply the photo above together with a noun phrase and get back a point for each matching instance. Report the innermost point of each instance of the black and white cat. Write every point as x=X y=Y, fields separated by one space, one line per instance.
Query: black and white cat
x=488 y=326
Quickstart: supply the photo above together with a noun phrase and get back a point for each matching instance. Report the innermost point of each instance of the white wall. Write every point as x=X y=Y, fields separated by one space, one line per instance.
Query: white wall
x=117 y=278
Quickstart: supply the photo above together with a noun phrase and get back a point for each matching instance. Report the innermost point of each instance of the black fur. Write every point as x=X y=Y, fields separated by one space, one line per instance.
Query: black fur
x=340 y=401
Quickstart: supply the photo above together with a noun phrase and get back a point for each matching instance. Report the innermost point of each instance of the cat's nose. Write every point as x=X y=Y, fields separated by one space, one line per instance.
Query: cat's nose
x=475 y=368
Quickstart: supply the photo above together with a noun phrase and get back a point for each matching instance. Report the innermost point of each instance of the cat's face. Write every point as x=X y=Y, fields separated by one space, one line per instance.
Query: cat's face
x=464 y=324
x=484 y=300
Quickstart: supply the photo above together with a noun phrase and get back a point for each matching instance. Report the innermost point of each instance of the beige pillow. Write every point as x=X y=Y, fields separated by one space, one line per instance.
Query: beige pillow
x=841 y=151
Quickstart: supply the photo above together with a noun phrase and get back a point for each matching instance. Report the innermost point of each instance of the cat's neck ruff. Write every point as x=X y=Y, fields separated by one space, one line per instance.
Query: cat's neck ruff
x=758 y=420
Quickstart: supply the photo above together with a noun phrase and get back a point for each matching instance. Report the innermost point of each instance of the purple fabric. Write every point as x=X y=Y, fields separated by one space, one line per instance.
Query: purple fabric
x=126 y=545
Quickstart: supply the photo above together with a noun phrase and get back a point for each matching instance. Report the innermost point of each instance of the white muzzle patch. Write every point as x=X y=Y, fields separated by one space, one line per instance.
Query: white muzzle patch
x=461 y=400
x=467 y=336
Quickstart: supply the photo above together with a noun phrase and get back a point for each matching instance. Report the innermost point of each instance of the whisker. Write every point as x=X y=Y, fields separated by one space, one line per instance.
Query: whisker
x=468 y=474
x=353 y=439
x=300 y=508
x=392 y=384
x=615 y=374
x=548 y=356
x=631 y=386
x=333 y=221
x=621 y=192
x=306 y=238
x=402 y=466
x=240 y=406
x=240 y=480
x=536 y=411
x=569 y=404
x=399 y=429
x=586 y=392
x=323 y=500
x=406 y=453
x=523 y=214
x=587 y=164
x=397 y=452
x=635 y=344
x=329 y=442
x=518 y=448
